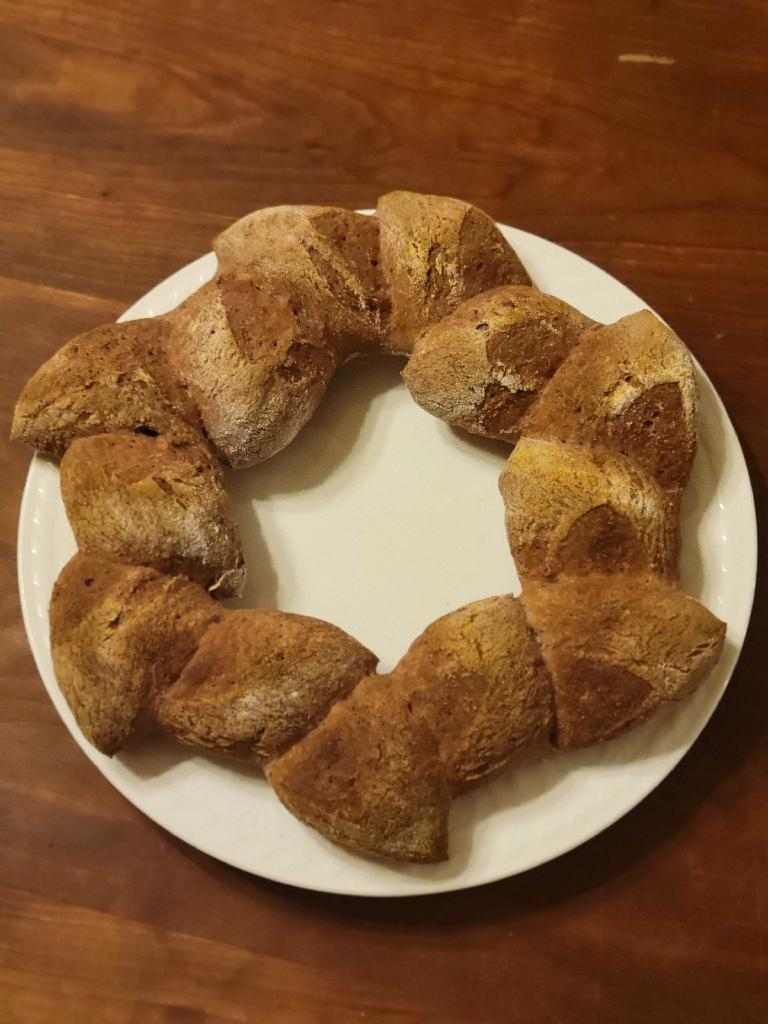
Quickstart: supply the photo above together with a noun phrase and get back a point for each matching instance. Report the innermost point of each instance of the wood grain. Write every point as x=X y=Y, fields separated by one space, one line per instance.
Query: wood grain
x=130 y=133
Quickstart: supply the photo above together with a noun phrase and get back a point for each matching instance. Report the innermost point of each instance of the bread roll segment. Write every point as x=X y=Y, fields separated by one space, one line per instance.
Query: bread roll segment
x=482 y=366
x=255 y=363
x=325 y=258
x=114 y=377
x=435 y=252
x=119 y=635
x=259 y=681
x=575 y=510
x=476 y=679
x=146 y=501
x=617 y=647
x=629 y=387
x=369 y=777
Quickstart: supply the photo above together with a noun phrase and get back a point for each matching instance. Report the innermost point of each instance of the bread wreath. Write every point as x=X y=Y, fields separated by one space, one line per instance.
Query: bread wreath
x=602 y=420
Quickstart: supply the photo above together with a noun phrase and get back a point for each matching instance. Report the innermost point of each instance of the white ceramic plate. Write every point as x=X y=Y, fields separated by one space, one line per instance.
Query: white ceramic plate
x=380 y=518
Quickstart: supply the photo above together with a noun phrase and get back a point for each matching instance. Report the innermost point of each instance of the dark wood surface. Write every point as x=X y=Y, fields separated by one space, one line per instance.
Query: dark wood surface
x=130 y=133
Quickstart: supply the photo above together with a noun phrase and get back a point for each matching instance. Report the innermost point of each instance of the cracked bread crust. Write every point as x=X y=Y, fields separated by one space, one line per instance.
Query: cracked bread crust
x=261 y=680
x=435 y=252
x=482 y=366
x=148 y=501
x=119 y=635
x=115 y=377
x=630 y=388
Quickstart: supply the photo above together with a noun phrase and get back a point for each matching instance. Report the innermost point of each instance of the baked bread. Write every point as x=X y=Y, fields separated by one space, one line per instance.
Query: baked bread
x=245 y=361
x=255 y=364
x=150 y=501
x=372 y=761
x=436 y=252
x=576 y=510
x=259 y=681
x=112 y=378
x=603 y=419
x=299 y=291
x=131 y=644
x=617 y=646
x=628 y=387
x=476 y=679
x=322 y=258
x=478 y=687
x=119 y=635
x=369 y=777
x=483 y=365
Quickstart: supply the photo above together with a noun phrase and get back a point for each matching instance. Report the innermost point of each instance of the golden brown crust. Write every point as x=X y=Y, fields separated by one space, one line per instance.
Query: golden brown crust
x=618 y=646
x=591 y=492
x=482 y=366
x=148 y=501
x=119 y=635
x=328 y=260
x=369 y=777
x=571 y=509
x=629 y=387
x=435 y=253
x=112 y=378
x=260 y=680
x=255 y=363
x=476 y=679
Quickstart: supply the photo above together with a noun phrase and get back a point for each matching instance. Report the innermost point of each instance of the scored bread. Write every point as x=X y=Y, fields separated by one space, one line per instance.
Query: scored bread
x=259 y=681
x=119 y=635
x=112 y=378
x=256 y=365
x=244 y=362
x=324 y=258
x=476 y=679
x=629 y=387
x=575 y=510
x=481 y=366
x=604 y=422
x=435 y=252
x=148 y=501
x=369 y=777
x=616 y=647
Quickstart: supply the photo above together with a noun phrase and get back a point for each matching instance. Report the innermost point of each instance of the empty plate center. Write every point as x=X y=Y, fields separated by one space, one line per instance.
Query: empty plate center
x=377 y=517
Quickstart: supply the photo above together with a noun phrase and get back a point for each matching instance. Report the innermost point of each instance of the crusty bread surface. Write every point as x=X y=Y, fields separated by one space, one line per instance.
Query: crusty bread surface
x=483 y=365
x=369 y=777
x=629 y=387
x=476 y=679
x=435 y=252
x=260 y=680
x=571 y=509
x=144 y=416
x=119 y=635
x=114 y=377
x=149 y=501
x=617 y=646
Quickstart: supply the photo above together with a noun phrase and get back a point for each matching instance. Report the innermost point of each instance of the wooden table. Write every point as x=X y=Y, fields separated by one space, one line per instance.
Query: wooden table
x=635 y=133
